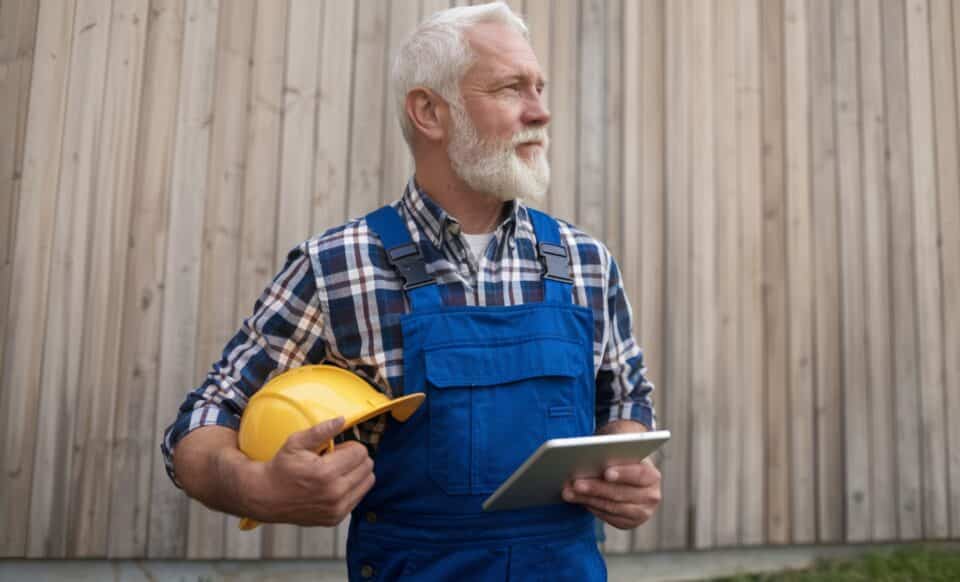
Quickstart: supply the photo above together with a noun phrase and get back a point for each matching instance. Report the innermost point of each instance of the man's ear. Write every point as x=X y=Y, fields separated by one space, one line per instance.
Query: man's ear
x=427 y=113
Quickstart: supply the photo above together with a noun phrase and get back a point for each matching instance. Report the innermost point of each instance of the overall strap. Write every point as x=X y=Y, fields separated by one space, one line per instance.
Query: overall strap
x=557 y=284
x=404 y=255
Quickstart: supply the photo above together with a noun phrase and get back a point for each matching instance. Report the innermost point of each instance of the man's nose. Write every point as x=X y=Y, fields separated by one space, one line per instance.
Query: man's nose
x=535 y=111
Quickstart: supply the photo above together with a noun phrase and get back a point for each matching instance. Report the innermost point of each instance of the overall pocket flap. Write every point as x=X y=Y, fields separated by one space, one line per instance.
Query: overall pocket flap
x=496 y=363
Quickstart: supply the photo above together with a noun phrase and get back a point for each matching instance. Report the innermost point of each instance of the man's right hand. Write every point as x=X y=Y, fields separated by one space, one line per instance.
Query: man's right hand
x=297 y=486
x=301 y=487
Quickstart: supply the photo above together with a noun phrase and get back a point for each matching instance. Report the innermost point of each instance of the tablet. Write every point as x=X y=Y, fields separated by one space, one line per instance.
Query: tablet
x=539 y=480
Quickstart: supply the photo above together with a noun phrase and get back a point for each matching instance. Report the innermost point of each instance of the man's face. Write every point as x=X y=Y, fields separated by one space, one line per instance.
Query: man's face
x=498 y=137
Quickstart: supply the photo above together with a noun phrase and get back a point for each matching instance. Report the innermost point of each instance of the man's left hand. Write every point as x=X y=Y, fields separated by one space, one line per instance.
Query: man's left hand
x=625 y=496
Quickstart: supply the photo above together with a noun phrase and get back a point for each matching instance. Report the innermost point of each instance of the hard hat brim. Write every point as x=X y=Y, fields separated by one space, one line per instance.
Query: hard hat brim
x=400 y=408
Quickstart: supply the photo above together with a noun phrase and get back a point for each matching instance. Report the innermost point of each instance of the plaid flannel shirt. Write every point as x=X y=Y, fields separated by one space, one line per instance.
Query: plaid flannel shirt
x=338 y=301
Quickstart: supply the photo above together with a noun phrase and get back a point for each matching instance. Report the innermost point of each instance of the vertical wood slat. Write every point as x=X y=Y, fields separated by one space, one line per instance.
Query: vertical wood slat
x=674 y=405
x=257 y=254
x=170 y=514
x=564 y=51
x=33 y=255
x=613 y=127
x=942 y=31
x=727 y=382
x=950 y=230
x=775 y=275
x=135 y=435
x=366 y=113
x=226 y=174
x=926 y=235
x=300 y=91
x=53 y=523
x=93 y=441
x=752 y=336
x=799 y=263
x=828 y=347
x=590 y=114
x=703 y=307
x=397 y=160
x=899 y=179
x=18 y=31
x=878 y=505
x=857 y=498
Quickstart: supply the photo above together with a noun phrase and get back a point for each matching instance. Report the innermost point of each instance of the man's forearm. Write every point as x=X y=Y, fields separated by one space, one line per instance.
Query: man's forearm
x=213 y=470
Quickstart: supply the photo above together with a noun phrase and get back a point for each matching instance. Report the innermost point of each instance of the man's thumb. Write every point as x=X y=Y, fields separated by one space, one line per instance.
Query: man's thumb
x=316 y=437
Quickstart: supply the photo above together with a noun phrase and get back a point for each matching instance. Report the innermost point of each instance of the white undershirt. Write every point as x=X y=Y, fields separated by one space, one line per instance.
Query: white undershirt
x=478 y=243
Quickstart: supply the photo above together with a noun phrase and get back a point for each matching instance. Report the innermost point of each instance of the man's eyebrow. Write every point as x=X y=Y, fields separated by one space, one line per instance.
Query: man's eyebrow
x=522 y=77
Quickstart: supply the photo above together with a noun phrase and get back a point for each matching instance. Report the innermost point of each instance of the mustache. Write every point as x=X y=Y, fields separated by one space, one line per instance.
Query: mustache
x=532 y=134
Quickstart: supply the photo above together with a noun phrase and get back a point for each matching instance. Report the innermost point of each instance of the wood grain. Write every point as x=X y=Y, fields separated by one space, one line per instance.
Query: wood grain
x=367 y=105
x=830 y=319
x=30 y=271
x=331 y=185
x=752 y=342
x=899 y=179
x=171 y=515
x=674 y=405
x=703 y=281
x=93 y=443
x=136 y=455
x=879 y=504
x=18 y=31
x=942 y=31
x=801 y=310
x=397 y=159
x=564 y=91
x=590 y=74
x=852 y=183
x=927 y=276
x=54 y=475
x=776 y=326
x=727 y=382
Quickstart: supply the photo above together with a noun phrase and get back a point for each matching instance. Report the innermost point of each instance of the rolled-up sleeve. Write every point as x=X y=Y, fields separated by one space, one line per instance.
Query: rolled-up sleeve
x=284 y=331
x=623 y=390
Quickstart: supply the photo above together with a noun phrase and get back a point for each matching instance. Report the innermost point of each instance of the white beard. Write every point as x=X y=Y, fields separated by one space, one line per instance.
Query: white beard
x=493 y=166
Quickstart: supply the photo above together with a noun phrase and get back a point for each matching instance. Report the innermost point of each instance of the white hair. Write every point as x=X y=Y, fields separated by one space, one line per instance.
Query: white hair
x=437 y=55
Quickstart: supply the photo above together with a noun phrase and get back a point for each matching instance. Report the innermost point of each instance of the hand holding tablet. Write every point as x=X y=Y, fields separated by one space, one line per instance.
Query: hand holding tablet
x=540 y=479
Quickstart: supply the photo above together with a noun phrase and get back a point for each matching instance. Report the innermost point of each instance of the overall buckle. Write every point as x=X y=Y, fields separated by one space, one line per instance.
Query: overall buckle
x=409 y=262
x=554 y=259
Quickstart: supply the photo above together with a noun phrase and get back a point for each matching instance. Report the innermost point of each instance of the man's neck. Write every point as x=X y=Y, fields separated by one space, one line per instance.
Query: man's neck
x=476 y=212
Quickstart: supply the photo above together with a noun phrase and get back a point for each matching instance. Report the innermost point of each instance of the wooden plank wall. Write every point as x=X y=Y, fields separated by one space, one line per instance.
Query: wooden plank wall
x=778 y=179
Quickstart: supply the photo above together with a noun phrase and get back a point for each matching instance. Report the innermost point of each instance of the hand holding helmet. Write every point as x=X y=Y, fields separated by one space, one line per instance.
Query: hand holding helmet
x=294 y=417
x=300 y=487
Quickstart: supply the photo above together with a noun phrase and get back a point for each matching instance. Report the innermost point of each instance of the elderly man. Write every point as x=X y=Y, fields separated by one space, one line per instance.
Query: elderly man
x=514 y=324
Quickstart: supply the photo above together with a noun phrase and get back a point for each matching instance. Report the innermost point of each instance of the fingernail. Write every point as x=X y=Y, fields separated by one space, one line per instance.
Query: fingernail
x=580 y=487
x=612 y=475
x=567 y=495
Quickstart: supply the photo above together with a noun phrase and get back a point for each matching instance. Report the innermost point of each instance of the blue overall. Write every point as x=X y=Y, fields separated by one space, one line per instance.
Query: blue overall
x=499 y=382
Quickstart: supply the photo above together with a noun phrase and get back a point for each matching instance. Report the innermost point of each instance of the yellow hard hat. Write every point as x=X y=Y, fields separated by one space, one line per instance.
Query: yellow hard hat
x=304 y=397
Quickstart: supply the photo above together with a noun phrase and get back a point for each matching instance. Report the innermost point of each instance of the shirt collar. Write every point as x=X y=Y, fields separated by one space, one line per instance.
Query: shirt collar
x=433 y=220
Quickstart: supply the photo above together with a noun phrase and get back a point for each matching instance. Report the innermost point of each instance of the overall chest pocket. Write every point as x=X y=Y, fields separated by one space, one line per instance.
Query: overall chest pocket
x=492 y=404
